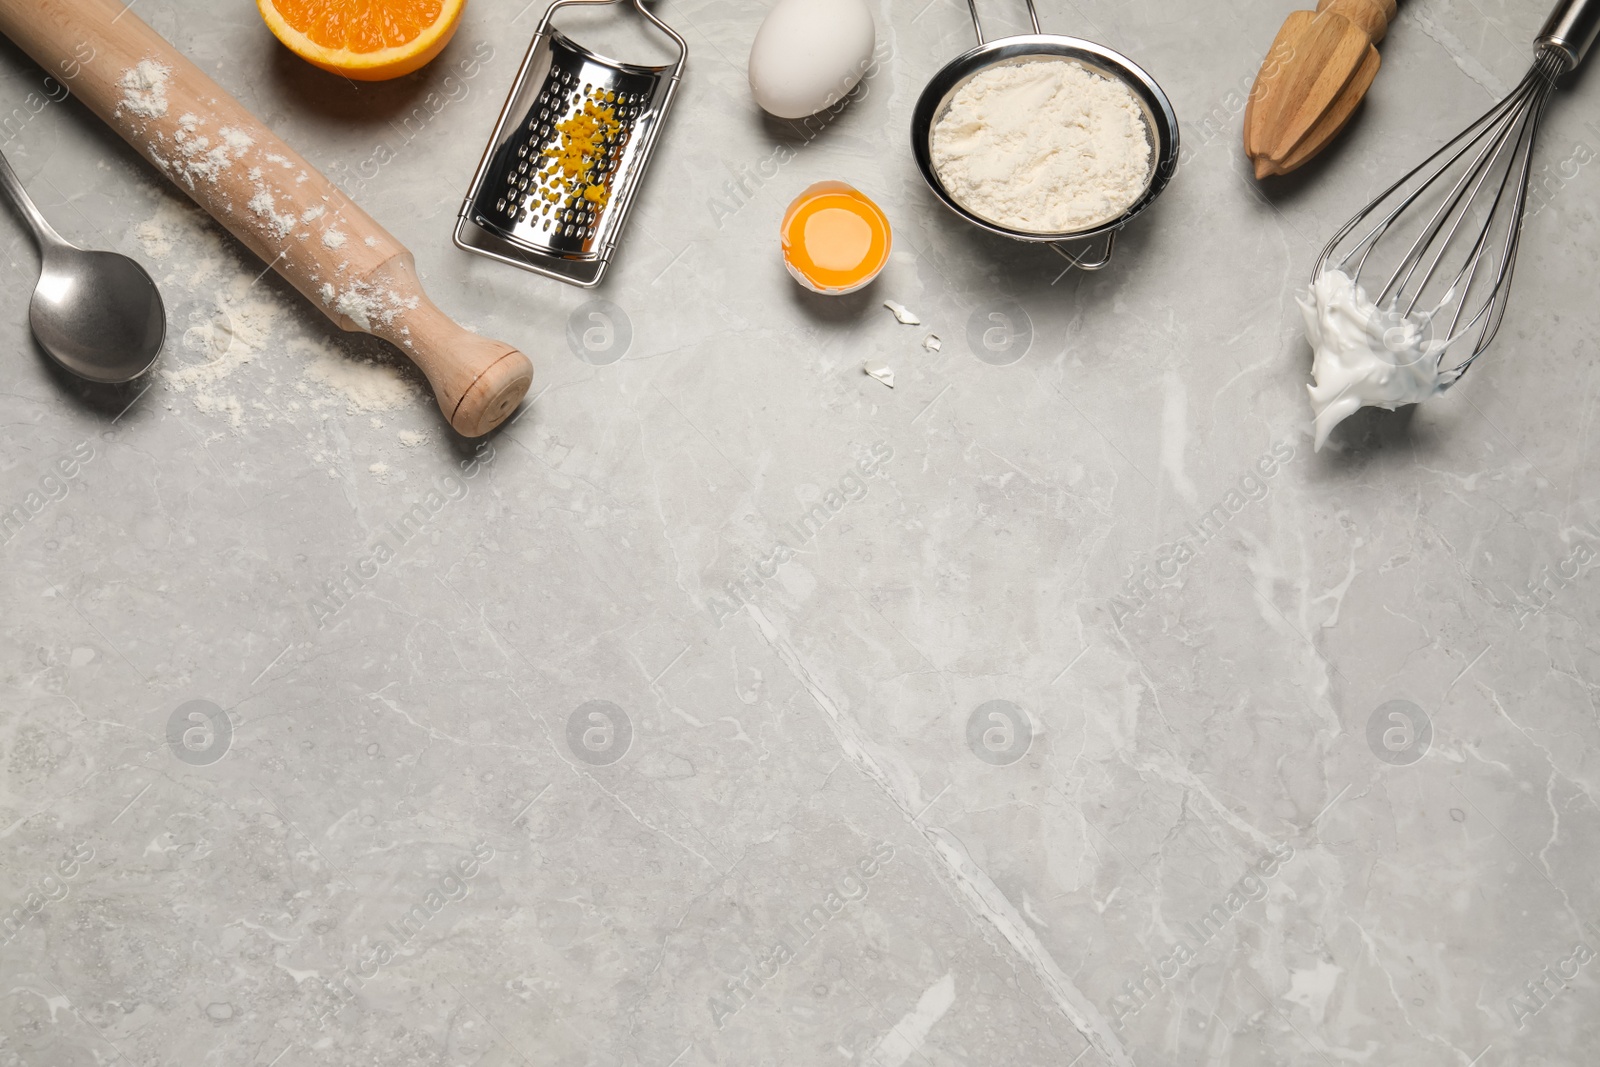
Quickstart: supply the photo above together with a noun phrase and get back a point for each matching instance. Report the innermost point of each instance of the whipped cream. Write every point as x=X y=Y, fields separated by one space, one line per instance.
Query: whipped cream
x=1367 y=356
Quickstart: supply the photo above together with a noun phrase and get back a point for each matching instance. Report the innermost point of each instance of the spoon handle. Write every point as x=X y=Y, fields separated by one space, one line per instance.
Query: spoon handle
x=43 y=232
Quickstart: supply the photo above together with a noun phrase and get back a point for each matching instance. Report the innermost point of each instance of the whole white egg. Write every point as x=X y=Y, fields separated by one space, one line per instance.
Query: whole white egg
x=809 y=53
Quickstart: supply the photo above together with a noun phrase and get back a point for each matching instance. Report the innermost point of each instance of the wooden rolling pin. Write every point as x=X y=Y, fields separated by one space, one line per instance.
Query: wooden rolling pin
x=1318 y=70
x=266 y=195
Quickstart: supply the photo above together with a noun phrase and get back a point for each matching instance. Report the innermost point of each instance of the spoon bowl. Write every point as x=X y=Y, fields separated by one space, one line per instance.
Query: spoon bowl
x=98 y=314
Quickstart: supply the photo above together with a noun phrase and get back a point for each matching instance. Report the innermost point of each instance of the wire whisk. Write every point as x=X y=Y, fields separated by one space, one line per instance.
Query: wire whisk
x=1438 y=247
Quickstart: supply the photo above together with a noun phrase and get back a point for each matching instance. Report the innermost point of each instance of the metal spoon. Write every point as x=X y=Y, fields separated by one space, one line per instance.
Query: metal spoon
x=98 y=314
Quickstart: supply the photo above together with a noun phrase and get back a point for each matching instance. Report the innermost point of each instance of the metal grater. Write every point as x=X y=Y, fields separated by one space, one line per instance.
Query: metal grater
x=565 y=226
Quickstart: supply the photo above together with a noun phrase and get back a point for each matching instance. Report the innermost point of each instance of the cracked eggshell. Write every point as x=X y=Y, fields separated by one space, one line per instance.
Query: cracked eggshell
x=809 y=54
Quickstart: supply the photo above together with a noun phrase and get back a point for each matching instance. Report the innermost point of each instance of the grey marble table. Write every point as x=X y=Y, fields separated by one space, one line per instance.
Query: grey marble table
x=1057 y=706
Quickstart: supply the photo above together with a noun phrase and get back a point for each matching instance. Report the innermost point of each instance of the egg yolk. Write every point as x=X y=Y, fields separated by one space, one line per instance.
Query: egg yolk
x=835 y=239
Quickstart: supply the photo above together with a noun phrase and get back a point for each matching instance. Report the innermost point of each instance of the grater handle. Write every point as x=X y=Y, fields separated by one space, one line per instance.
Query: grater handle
x=682 y=45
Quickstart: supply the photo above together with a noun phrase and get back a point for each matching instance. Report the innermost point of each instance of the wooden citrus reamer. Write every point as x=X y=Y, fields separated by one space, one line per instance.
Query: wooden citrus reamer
x=1317 y=72
x=266 y=195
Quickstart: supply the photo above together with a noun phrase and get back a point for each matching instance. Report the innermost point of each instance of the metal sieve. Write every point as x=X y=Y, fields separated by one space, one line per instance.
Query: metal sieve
x=1161 y=124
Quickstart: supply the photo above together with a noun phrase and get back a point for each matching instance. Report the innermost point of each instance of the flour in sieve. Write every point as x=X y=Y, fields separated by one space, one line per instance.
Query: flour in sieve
x=1043 y=146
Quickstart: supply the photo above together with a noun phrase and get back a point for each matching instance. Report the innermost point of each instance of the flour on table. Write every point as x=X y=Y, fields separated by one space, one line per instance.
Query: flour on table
x=241 y=327
x=235 y=322
x=153 y=238
x=144 y=88
x=226 y=406
x=176 y=224
x=360 y=386
x=1043 y=146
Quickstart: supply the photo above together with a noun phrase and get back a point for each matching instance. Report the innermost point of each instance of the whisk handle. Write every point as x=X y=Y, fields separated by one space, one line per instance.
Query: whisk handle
x=1571 y=29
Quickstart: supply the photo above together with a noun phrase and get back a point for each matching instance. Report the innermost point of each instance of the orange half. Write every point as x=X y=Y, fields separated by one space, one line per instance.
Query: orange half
x=835 y=239
x=368 y=40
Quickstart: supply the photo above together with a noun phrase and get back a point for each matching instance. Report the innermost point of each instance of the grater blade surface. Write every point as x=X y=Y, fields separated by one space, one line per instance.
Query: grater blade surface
x=553 y=189
x=559 y=215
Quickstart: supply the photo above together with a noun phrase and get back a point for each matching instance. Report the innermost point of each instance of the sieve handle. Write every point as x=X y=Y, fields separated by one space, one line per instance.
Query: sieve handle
x=1571 y=29
x=1033 y=16
x=1087 y=264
